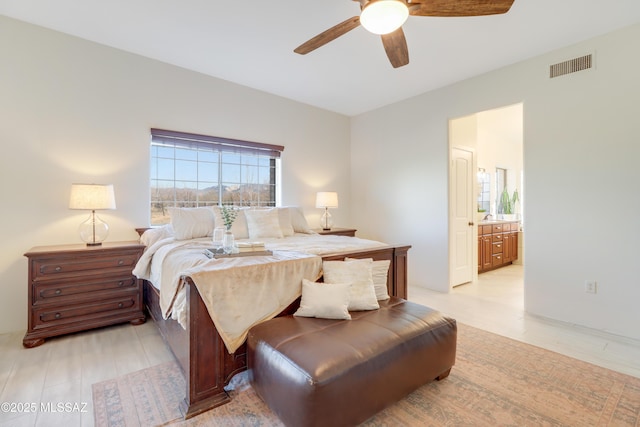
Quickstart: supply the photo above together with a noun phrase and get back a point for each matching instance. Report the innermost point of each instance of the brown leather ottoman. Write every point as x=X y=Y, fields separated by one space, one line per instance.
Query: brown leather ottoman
x=320 y=372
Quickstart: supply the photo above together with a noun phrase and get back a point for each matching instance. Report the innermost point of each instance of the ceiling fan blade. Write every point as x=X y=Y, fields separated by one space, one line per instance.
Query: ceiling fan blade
x=452 y=8
x=396 y=47
x=328 y=35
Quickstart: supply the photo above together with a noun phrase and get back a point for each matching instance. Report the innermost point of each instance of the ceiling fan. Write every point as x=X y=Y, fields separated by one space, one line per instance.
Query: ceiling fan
x=385 y=17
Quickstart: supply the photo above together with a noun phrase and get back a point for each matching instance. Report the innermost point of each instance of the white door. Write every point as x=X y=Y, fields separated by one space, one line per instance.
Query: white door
x=461 y=216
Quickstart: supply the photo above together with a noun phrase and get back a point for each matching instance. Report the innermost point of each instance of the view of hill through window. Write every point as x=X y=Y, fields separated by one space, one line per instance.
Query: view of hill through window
x=198 y=174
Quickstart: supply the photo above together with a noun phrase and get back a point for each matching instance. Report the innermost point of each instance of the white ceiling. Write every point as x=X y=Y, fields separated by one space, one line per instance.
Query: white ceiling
x=251 y=42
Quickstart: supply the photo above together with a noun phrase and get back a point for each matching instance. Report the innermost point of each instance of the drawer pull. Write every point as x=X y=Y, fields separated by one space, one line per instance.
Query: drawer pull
x=121 y=283
x=58 y=315
x=58 y=268
x=120 y=305
x=120 y=262
x=499 y=246
x=58 y=291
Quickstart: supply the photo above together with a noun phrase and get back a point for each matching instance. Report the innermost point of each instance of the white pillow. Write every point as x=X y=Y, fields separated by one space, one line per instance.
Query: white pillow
x=298 y=221
x=358 y=273
x=324 y=300
x=239 y=226
x=191 y=223
x=285 y=222
x=263 y=223
x=152 y=235
x=379 y=273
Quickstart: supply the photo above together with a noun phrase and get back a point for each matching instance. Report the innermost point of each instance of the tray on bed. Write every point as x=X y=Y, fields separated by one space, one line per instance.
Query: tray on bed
x=213 y=253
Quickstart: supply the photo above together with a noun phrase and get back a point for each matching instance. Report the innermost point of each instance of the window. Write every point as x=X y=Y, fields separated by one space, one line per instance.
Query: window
x=501 y=186
x=190 y=170
x=484 y=190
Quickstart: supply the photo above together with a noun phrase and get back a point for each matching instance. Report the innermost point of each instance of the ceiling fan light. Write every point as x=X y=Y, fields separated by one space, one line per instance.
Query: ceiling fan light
x=384 y=16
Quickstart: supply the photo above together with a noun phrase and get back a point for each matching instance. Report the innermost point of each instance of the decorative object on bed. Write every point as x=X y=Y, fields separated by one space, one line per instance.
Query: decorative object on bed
x=92 y=197
x=228 y=242
x=326 y=200
x=239 y=224
x=250 y=246
x=218 y=236
x=357 y=273
x=229 y=214
x=264 y=223
x=298 y=220
x=379 y=272
x=324 y=300
x=217 y=253
x=191 y=223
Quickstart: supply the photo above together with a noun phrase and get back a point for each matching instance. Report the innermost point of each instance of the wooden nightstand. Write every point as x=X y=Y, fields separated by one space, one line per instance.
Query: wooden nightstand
x=335 y=231
x=76 y=287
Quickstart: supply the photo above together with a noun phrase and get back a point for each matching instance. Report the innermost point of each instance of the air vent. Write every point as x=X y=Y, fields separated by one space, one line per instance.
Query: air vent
x=571 y=66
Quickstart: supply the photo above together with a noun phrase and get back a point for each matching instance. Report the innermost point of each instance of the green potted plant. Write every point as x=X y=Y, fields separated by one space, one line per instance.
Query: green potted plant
x=229 y=214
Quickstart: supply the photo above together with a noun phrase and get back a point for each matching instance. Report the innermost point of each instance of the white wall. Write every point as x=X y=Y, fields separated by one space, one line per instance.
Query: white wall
x=76 y=111
x=581 y=152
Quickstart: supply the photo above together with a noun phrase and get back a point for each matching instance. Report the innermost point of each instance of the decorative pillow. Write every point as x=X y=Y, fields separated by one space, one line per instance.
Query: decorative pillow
x=379 y=273
x=153 y=235
x=324 y=300
x=298 y=221
x=263 y=223
x=358 y=273
x=239 y=226
x=285 y=222
x=191 y=223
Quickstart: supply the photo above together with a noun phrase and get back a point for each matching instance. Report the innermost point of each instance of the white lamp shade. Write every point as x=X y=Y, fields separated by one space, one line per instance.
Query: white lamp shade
x=326 y=199
x=384 y=16
x=92 y=196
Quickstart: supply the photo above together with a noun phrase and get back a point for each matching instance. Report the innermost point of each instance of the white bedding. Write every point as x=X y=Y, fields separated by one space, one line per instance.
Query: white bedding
x=239 y=292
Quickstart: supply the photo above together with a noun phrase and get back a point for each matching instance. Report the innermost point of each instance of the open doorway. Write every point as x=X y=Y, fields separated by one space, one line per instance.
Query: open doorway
x=496 y=177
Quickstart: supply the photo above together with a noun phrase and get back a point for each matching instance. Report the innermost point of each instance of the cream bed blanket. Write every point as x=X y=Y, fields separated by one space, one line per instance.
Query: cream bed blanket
x=238 y=292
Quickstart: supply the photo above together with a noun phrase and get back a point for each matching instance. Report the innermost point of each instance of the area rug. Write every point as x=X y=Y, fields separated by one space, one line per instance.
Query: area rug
x=496 y=381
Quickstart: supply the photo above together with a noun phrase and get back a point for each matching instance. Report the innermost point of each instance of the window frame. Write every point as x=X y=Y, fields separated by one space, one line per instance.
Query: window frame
x=222 y=153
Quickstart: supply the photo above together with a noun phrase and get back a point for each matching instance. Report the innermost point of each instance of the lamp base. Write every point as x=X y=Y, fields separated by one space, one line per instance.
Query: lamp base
x=326 y=221
x=93 y=231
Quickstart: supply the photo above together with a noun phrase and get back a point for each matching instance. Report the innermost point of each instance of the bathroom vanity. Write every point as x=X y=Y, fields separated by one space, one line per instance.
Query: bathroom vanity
x=497 y=244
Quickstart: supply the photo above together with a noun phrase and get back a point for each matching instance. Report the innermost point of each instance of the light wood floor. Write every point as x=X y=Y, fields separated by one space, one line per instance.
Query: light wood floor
x=63 y=369
x=496 y=303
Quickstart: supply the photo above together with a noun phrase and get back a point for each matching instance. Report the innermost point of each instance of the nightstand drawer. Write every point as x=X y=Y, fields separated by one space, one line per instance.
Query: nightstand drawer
x=46 y=316
x=59 y=292
x=62 y=266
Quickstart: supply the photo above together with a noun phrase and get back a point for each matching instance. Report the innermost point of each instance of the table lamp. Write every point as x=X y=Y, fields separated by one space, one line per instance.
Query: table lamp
x=326 y=200
x=92 y=197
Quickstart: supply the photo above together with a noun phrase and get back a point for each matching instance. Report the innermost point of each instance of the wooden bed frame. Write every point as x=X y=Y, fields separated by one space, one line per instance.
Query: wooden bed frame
x=203 y=358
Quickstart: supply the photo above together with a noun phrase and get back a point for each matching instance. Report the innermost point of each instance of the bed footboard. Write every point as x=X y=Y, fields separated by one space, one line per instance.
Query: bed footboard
x=200 y=351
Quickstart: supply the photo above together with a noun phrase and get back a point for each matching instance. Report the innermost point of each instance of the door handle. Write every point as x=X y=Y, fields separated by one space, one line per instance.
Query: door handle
x=471 y=224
